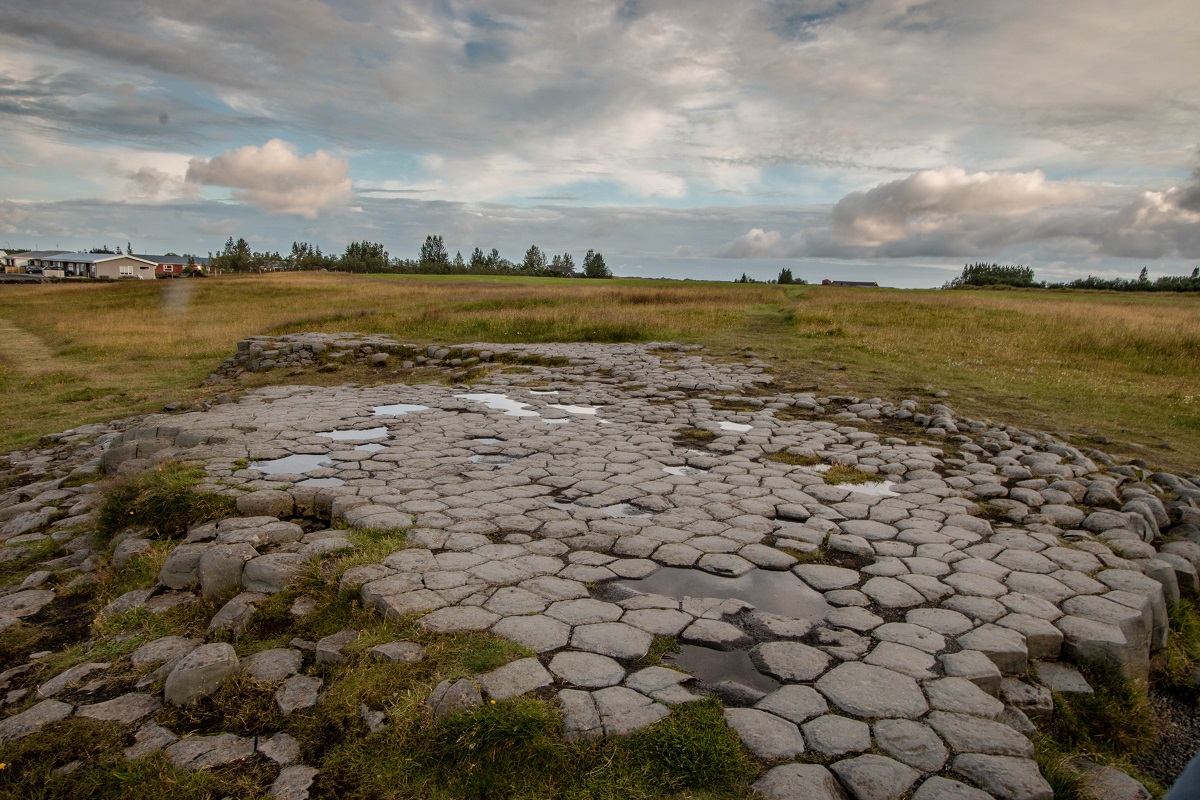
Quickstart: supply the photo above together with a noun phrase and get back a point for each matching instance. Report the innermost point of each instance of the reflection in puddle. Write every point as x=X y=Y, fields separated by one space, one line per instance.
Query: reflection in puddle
x=625 y=510
x=370 y=448
x=577 y=409
x=882 y=489
x=767 y=590
x=496 y=459
x=734 y=426
x=396 y=409
x=713 y=666
x=356 y=436
x=682 y=470
x=551 y=391
x=319 y=482
x=486 y=440
x=501 y=402
x=295 y=464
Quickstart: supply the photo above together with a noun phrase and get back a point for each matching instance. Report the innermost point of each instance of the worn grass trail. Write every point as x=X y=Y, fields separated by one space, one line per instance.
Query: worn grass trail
x=1095 y=364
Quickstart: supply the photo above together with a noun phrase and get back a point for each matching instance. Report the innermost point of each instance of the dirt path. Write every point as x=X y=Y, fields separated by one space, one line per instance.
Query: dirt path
x=20 y=350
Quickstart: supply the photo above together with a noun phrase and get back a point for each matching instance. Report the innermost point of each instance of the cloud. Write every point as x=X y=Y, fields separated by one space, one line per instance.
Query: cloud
x=275 y=177
x=950 y=213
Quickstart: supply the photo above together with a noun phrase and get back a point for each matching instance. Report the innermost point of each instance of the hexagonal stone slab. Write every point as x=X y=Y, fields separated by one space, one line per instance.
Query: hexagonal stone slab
x=876 y=777
x=537 y=632
x=790 y=662
x=793 y=781
x=795 y=703
x=623 y=711
x=584 y=611
x=834 y=735
x=615 y=639
x=891 y=593
x=455 y=619
x=589 y=670
x=716 y=634
x=912 y=743
x=514 y=679
x=939 y=788
x=967 y=734
x=872 y=692
x=581 y=720
x=825 y=578
x=1005 y=777
x=960 y=696
x=767 y=735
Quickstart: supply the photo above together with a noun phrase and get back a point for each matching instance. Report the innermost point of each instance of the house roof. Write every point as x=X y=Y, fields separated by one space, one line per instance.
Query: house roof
x=200 y=262
x=35 y=254
x=92 y=258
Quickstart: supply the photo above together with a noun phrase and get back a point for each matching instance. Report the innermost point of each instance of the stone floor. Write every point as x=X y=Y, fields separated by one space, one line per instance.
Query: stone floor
x=535 y=501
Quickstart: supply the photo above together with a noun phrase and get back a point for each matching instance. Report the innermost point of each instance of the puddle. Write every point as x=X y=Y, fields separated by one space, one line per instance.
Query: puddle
x=625 y=511
x=535 y=391
x=486 y=440
x=770 y=591
x=295 y=464
x=883 y=489
x=356 y=436
x=370 y=448
x=734 y=426
x=556 y=421
x=319 y=482
x=577 y=409
x=713 y=666
x=501 y=402
x=496 y=459
x=682 y=470
x=396 y=409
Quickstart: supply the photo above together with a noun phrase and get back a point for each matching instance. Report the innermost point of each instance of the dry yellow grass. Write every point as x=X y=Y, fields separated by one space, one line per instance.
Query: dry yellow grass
x=1124 y=366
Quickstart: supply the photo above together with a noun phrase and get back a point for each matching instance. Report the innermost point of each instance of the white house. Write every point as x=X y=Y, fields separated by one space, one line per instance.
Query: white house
x=28 y=261
x=98 y=265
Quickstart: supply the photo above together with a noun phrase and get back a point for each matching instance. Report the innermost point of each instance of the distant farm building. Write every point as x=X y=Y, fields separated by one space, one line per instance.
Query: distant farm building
x=28 y=261
x=98 y=265
x=860 y=284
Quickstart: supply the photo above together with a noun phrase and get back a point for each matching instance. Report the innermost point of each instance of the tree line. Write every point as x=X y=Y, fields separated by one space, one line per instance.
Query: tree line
x=785 y=277
x=1023 y=277
x=433 y=259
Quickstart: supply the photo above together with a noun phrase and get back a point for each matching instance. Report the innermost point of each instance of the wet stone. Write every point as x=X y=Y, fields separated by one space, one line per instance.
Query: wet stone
x=789 y=661
x=715 y=634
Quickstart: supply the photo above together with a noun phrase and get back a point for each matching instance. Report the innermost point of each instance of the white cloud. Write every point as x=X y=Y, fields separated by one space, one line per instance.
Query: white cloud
x=277 y=178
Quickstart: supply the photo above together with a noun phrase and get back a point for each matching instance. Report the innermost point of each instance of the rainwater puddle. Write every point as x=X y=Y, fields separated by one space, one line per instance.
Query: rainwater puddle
x=487 y=440
x=535 y=391
x=370 y=448
x=713 y=666
x=625 y=511
x=577 y=409
x=320 y=482
x=396 y=409
x=501 y=402
x=682 y=470
x=356 y=436
x=496 y=459
x=295 y=464
x=767 y=590
x=734 y=426
x=556 y=421
x=883 y=489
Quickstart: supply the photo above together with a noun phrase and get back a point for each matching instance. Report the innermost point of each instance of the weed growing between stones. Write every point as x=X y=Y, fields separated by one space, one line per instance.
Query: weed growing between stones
x=660 y=647
x=1177 y=667
x=164 y=500
x=1110 y=726
x=840 y=473
x=696 y=436
x=784 y=457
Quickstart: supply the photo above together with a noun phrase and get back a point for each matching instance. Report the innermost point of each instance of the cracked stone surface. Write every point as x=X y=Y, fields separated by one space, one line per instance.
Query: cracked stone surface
x=909 y=616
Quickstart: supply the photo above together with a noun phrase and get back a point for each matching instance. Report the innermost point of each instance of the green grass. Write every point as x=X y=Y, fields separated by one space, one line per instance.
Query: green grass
x=784 y=457
x=695 y=436
x=840 y=473
x=1175 y=665
x=163 y=499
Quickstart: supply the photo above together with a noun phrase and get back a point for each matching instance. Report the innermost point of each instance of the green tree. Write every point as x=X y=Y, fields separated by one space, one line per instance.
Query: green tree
x=478 y=259
x=433 y=252
x=785 y=276
x=594 y=266
x=535 y=259
x=458 y=261
x=365 y=256
x=235 y=257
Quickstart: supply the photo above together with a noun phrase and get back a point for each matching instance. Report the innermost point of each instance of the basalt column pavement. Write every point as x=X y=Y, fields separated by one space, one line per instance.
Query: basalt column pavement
x=872 y=639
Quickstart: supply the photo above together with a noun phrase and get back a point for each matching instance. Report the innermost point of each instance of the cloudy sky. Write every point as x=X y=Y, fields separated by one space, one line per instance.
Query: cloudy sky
x=891 y=140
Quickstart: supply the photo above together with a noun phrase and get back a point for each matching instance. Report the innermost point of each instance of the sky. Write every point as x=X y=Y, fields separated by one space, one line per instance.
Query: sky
x=886 y=140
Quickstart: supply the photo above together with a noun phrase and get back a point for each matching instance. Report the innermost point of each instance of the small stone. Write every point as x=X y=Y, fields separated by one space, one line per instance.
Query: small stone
x=329 y=649
x=33 y=719
x=766 y=735
x=293 y=782
x=297 y=692
x=450 y=697
x=273 y=665
x=874 y=777
x=939 y=788
x=716 y=634
x=205 y=752
x=790 y=662
x=662 y=684
x=126 y=709
x=581 y=720
x=912 y=743
x=1005 y=777
x=975 y=667
x=1063 y=678
x=514 y=679
x=398 y=652
x=25 y=604
x=164 y=649
x=833 y=735
x=150 y=738
x=588 y=670
x=1109 y=783
x=70 y=677
x=200 y=673
x=282 y=748
x=799 y=782
x=623 y=711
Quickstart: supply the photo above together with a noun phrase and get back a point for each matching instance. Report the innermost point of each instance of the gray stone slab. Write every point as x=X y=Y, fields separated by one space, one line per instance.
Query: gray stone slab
x=1005 y=777
x=514 y=679
x=273 y=665
x=789 y=661
x=799 y=781
x=716 y=634
x=398 y=652
x=834 y=735
x=33 y=719
x=912 y=743
x=961 y=696
x=795 y=703
x=939 y=788
x=297 y=692
x=967 y=734
x=537 y=632
x=623 y=711
x=766 y=735
x=586 y=670
x=614 y=639
x=875 y=777
x=450 y=697
x=206 y=752
x=200 y=673
x=872 y=692
x=293 y=782
x=126 y=709
x=581 y=720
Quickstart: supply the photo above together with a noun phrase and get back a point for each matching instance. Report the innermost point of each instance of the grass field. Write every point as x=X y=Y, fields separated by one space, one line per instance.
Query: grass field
x=1091 y=364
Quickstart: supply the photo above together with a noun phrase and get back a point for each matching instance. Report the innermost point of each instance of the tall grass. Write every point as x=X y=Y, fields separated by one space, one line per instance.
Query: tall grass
x=1065 y=360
